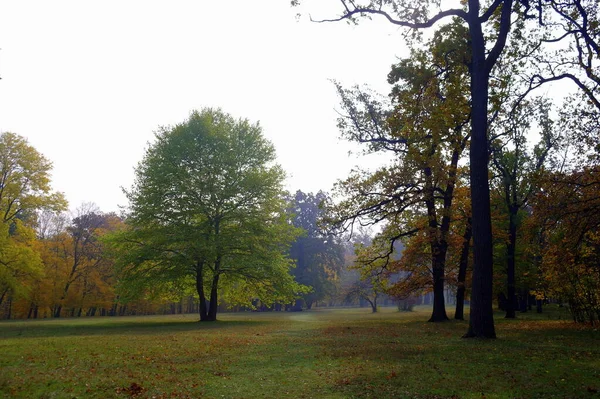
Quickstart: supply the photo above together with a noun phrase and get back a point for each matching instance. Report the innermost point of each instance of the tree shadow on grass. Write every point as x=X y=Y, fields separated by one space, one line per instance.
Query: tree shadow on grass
x=132 y=325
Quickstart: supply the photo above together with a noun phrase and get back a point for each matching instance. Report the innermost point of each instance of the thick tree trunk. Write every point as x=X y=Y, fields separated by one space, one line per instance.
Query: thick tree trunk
x=439 y=303
x=510 y=265
x=481 y=321
x=462 y=272
x=213 y=306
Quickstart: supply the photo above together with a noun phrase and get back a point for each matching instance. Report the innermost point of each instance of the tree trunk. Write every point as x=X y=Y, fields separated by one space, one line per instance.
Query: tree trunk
x=200 y=289
x=3 y=295
x=309 y=304
x=524 y=299
x=462 y=272
x=213 y=306
x=510 y=264
x=373 y=304
x=57 y=310
x=438 y=250
x=439 y=303
x=481 y=321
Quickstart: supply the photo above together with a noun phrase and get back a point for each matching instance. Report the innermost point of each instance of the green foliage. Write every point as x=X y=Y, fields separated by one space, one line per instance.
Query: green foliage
x=207 y=209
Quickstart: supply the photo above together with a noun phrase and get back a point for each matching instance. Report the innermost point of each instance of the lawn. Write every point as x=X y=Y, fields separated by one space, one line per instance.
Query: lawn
x=330 y=353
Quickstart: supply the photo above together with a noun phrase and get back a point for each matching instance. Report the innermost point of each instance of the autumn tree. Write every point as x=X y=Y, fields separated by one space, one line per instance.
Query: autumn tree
x=207 y=211
x=425 y=128
x=77 y=260
x=24 y=189
x=571 y=23
x=567 y=212
x=318 y=255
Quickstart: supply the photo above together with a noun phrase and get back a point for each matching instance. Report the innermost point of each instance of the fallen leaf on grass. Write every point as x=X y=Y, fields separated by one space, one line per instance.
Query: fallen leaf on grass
x=133 y=390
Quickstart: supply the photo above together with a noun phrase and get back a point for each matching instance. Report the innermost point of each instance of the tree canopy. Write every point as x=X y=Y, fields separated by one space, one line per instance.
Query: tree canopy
x=207 y=210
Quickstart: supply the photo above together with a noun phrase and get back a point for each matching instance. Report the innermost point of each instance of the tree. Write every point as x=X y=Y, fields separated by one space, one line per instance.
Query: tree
x=207 y=210
x=24 y=189
x=489 y=26
x=318 y=256
x=517 y=168
x=77 y=258
x=425 y=130
x=567 y=212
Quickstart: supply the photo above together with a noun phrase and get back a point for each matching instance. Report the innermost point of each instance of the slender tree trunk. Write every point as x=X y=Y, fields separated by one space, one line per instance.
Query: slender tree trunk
x=200 y=289
x=3 y=295
x=57 y=310
x=438 y=250
x=524 y=299
x=481 y=321
x=462 y=272
x=511 y=302
x=10 y=302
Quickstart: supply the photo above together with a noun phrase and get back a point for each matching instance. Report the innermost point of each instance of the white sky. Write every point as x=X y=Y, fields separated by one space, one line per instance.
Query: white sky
x=87 y=82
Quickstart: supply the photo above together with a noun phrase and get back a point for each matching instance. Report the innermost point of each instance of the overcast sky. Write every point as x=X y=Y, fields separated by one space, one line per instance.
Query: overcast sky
x=87 y=83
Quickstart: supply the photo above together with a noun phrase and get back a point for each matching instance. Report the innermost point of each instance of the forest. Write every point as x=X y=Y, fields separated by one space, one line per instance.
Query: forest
x=488 y=195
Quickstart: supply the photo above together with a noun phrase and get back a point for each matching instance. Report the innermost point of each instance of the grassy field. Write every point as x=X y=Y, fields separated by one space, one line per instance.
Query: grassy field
x=337 y=353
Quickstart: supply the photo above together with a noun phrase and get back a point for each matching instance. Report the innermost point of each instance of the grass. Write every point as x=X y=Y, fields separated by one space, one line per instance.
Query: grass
x=333 y=353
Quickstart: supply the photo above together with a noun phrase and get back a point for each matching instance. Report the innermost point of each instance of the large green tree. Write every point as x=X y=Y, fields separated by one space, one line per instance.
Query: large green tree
x=207 y=210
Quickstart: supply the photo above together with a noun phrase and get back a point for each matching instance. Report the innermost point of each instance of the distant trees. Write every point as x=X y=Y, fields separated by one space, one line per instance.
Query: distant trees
x=76 y=257
x=207 y=210
x=318 y=255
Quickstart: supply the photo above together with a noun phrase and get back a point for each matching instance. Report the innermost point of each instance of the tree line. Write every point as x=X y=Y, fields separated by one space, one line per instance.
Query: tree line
x=208 y=228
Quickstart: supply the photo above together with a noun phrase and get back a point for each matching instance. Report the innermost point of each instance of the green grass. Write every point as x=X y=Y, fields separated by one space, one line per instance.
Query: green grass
x=337 y=353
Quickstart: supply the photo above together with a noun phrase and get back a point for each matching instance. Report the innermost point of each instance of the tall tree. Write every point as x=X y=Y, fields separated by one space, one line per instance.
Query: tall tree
x=516 y=168
x=207 y=210
x=426 y=130
x=24 y=189
x=489 y=25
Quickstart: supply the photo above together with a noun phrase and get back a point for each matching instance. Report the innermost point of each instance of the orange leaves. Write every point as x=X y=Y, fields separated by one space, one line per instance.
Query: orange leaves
x=567 y=216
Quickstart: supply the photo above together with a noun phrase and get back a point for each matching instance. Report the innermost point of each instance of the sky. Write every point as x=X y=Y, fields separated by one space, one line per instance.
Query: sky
x=89 y=82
